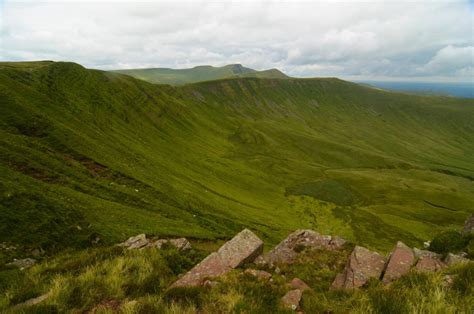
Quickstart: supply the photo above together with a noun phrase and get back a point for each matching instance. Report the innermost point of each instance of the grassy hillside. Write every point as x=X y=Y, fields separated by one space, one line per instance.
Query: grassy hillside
x=198 y=74
x=86 y=153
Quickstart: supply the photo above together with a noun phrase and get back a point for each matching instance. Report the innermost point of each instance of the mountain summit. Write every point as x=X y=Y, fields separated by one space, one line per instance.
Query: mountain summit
x=199 y=73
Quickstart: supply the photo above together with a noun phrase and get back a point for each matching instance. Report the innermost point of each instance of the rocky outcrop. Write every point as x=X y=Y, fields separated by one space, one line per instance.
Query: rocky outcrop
x=287 y=250
x=292 y=299
x=362 y=265
x=399 y=263
x=135 y=242
x=141 y=241
x=469 y=225
x=241 y=249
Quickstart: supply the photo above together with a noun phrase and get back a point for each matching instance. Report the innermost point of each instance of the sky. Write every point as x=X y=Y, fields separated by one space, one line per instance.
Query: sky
x=424 y=40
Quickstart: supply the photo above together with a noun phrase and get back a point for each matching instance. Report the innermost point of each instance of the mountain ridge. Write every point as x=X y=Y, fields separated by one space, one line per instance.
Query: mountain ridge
x=198 y=74
x=117 y=156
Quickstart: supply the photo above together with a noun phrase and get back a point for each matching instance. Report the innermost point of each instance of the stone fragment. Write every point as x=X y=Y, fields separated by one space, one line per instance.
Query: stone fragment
x=287 y=250
x=181 y=244
x=135 y=242
x=212 y=266
x=31 y=302
x=362 y=265
x=260 y=274
x=454 y=259
x=429 y=263
x=292 y=299
x=297 y=283
x=400 y=261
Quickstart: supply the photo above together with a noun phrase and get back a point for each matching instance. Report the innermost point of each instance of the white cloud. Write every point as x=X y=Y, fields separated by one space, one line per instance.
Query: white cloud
x=308 y=38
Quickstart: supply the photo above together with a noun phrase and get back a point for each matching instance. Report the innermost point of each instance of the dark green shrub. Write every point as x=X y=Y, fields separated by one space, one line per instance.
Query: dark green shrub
x=448 y=241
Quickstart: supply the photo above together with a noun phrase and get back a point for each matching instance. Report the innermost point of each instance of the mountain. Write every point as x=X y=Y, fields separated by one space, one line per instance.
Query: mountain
x=199 y=73
x=87 y=153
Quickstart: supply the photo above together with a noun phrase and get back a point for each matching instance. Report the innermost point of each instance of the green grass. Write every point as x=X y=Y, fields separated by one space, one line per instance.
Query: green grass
x=198 y=74
x=86 y=153
x=137 y=282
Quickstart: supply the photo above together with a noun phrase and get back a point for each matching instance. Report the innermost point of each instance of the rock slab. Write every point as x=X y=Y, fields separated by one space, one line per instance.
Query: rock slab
x=241 y=249
x=361 y=266
x=400 y=261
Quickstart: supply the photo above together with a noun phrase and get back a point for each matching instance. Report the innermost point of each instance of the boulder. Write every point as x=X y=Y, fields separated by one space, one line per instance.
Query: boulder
x=419 y=253
x=297 y=283
x=361 y=266
x=292 y=299
x=468 y=225
x=135 y=242
x=287 y=250
x=429 y=263
x=399 y=263
x=260 y=274
x=212 y=266
x=23 y=263
x=454 y=259
x=241 y=249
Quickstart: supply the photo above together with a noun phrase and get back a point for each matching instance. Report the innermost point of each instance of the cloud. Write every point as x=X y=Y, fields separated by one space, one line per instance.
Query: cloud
x=417 y=39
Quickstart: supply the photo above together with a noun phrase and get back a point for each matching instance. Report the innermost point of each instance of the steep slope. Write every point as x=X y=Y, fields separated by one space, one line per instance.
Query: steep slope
x=199 y=73
x=86 y=153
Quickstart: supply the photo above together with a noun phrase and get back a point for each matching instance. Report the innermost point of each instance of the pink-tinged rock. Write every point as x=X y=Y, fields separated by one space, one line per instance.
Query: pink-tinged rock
x=297 y=283
x=400 y=261
x=241 y=249
x=287 y=250
x=292 y=299
x=429 y=263
x=260 y=274
x=212 y=266
x=362 y=265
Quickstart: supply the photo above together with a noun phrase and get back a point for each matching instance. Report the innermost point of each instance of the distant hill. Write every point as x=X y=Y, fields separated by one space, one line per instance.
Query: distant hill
x=199 y=74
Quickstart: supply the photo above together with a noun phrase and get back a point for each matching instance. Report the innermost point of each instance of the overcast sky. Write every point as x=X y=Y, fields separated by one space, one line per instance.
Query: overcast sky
x=422 y=40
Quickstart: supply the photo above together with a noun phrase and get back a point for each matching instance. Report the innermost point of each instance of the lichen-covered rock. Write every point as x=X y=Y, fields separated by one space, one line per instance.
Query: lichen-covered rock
x=287 y=250
x=135 y=242
x=292 y=299
x=212 y=266
x=241 y=249
x=400 y=261
x=429 y=263
x=181 y=244
x=362 y=265
x=454 y=259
